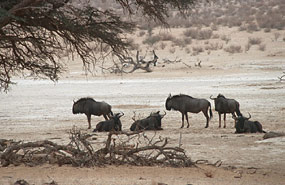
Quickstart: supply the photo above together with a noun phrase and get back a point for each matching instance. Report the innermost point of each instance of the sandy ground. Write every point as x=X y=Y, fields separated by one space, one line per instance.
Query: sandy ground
x=38 y=110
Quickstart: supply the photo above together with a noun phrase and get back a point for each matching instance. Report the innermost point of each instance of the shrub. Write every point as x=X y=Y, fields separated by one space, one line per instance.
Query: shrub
x=197 y=49
x=151 y=40
x=233 y=49
x=254 y=40
x=172 y=50
x=162 y=45
x=225 y=38
x=200 y=34
x=178 y=42
x=205 y=34
x=276 y=35
x=262 y=47
x=166 y=37
x=141 y=33
x=192 y=32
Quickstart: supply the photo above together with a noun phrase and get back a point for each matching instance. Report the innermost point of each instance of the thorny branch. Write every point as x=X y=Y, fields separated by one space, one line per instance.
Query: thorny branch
x=132 y=148
x=129 y=65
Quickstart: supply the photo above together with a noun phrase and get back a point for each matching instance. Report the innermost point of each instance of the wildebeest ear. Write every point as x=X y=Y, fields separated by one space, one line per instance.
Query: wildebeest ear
x=169 y=96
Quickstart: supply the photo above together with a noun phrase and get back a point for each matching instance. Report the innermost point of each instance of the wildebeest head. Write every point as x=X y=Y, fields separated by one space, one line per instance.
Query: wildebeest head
x=217 y=100
x=78 y=106
x=157 y=115
x=168 y=103
x=117 y=116
x=239 y=121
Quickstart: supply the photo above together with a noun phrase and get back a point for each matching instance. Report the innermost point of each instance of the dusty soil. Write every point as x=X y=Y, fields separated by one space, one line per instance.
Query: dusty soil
x=38 y=110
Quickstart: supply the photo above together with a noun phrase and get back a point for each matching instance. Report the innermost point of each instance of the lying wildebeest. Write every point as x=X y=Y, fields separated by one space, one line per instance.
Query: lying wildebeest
x=89 y=106
x=243 y=125
x=224 y=105
x=152 y=122
x=184 y=103
x=113 y=124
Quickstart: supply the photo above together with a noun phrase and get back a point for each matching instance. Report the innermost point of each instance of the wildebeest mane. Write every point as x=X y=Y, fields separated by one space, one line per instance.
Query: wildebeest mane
x=181 y=95
x=221 y=96
x=84 y=99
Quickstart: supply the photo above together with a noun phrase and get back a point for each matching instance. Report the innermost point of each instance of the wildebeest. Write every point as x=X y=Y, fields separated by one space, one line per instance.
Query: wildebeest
x=224 y=105
x=152 y=122
x=89 y=106
x=184 y=103
x=243 y=125
x=114 y=124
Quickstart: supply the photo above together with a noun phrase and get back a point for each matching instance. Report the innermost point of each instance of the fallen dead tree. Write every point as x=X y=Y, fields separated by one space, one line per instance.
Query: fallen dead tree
x=132 y=148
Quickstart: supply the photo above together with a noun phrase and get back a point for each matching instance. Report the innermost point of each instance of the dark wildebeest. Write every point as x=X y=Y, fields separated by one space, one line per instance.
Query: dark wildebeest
x=114 y=124
x=224 y=105
x=152 y=122
x=243 y=125
x=89 y=106
x=184 y=103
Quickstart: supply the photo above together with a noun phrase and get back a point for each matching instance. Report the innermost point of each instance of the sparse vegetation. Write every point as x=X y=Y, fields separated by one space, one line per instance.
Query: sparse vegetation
x=151 y=40
x=233 y=49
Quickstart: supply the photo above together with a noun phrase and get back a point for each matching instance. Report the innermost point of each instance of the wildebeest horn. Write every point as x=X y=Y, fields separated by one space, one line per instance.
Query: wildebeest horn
x=212 y=98
x=120 y=114
x=162 y=115
x=169 y=96
x=234 y=117
x=248 y=117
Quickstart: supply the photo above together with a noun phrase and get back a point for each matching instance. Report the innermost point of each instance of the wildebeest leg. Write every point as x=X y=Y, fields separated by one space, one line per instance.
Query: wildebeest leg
x=207 y=117
x=234 y=116
x=187 y=120
x=225 y=115
x=182 y=120
x=89 y=120
x=219 y=120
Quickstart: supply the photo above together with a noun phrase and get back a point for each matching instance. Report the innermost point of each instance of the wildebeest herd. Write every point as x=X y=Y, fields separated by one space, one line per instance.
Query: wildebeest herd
x=181 y=102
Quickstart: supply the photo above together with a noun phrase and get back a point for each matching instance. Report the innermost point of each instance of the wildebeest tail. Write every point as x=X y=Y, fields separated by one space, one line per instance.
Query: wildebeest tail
x=237 y=110
x=210 y=111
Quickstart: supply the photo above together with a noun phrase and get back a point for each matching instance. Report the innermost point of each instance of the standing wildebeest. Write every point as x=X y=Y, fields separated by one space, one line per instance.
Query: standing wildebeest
x=89 y=106
x=184 y=103
x=224 y=106
x=243 y=125
x=152 y=122
x=114 y=124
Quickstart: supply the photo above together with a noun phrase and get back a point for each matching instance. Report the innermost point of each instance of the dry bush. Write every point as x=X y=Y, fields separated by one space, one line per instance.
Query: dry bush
x=216 y=36
x=233 y=49
x=276 y=35
x=187 y=41
x=267 y=30
x=151 y=40
x=172 y=50
x=132 y=44
x=141 y=33
x=192 y=32
x=166 y=37
x=262 y=47
x=197 y=33
x=197 y=49
x=205 y=34
x=225 y=38
x=252 y=27
x=187 y=50
x=214 y=46
x=162 y=45
x=254 y=40
x=179 y=42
